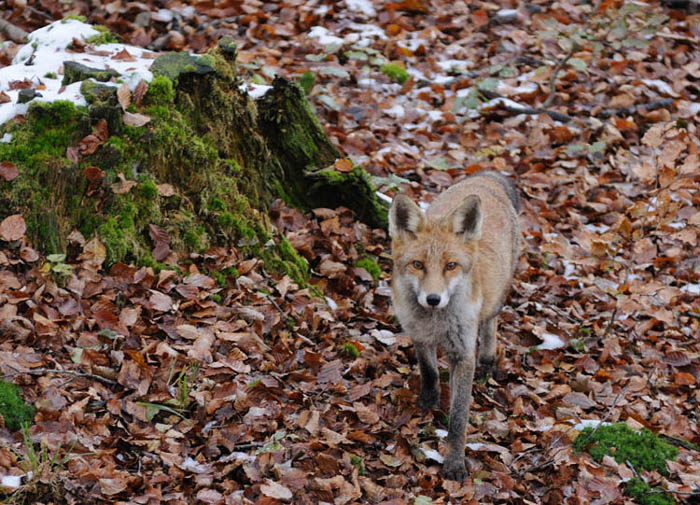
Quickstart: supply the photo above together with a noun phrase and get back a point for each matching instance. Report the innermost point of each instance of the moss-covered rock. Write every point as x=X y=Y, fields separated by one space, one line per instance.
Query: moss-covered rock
x=76 y=72
x=173 y=65
x=13 y=410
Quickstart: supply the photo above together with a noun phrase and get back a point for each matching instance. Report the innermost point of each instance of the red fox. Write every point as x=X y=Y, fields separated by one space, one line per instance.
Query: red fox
x=453 y=266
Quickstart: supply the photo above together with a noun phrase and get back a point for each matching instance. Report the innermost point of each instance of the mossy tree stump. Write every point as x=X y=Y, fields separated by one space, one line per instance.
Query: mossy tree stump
x=227 y=156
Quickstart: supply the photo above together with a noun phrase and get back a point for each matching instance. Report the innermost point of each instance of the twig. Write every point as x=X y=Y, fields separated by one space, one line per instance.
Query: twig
x=628 y=111
x=679 y=442
x=575 y=47
x=610 y=323
x=41 y=371
x=14 y=33
x=679 y=38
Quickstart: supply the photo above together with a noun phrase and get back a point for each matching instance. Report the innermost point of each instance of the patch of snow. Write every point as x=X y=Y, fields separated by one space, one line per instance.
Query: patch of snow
x=366 y=34
x=6 y=139
x=551 y=341
x=597 y=228
x=454 y=65
x=432 y=454
x=676 y=225
x=507 y=13
x=524 y=89
x=475 y=446
x=362 y=6
x=10 y=482
x=416 y=74
x=435 y=115
x=423 y=205
x=257 y=90
x=694 y=108
x=325 y=38
x=693 y=289
x=589 y=423
x=661 y=86
x=441 y=433
x=413 y=43
x=500 y=101
x=321 y=10
x=331 y=303
x=397 y=111
x=569 y=269
x=44 y=55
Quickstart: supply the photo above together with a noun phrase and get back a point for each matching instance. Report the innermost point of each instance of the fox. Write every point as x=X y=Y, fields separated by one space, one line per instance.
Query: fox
x=453 y=266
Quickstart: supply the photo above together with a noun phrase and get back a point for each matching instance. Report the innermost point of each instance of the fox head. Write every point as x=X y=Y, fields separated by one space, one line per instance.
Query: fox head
x=434 y=255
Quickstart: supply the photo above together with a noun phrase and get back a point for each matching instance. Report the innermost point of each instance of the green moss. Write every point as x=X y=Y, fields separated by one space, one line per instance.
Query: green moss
x=645 y=495
x=231 y=271
x=371 y=266
x=14 y=411
x=219 y=277
x=50 y=75
x=642 y=449
x=216 y=204
x=395 y=72
x=216 y=297
x=76 y=72
x=160 y=92
x=148 y=190
x=104 y=37
x=175 y=65
x=226 y=220
x=77 y=17
x=350 y=349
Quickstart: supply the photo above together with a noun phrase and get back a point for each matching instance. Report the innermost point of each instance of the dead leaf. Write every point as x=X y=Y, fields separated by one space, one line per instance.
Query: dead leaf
x=124 y=96
x=13 y=228
x=123 y=55
x=276 y=490
x=140 y=91
x=135 y=119
x=8 y=170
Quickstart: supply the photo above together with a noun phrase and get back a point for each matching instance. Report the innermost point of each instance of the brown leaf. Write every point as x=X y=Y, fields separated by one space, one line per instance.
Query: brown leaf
x=123 y=186
x=23 y=84
x=4 y=97
x=73 y=153
x=165 y=190
x=135 y=119
x=275 y=490
x=579 y=400
x=160 y=301
x=93 y=174
x=140 y=91
x=343 y=165
x=123 y=55
x=124 y=96
x=13 y=228
x=480 y=18
x=677 y=358
x=8 y=170
x=161 y=241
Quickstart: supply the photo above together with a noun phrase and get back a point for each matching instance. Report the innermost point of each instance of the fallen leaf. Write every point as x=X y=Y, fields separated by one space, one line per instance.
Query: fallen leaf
x=135 y=119
x=275 y=490
x=13 y=228
x=124 y=96
x=8 y=170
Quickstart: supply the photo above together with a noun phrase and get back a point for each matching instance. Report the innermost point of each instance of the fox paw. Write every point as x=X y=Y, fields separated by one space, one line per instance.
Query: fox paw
x=486 y=367
x=428 y=401
x=454 y=471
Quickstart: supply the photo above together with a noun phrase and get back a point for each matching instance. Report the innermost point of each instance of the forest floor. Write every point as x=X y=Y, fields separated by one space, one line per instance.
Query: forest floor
x=200 y=388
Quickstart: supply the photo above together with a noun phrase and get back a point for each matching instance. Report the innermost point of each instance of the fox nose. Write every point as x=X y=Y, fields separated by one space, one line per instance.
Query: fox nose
x=433 y=299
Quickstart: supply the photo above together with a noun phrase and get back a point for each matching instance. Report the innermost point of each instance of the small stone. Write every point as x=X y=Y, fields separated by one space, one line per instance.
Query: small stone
x=27 y=95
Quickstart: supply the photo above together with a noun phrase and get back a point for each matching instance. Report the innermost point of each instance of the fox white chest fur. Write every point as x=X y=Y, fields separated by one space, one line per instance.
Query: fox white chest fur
x=452 y=270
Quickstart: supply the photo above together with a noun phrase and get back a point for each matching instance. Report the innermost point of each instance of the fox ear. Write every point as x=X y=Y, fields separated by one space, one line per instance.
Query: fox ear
x=466 y=219
x=404 y=216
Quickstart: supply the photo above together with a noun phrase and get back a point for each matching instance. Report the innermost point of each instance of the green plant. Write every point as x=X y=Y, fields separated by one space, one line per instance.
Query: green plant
x=42 y=470
x=395 y=72
x=645 y=495
x=642 y=449
x=15 y=412
x=371 y=266
x=350 y=349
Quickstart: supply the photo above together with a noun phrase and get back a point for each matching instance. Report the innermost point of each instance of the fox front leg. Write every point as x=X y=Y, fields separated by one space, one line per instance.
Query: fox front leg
x=429 y=396
x=461 y=379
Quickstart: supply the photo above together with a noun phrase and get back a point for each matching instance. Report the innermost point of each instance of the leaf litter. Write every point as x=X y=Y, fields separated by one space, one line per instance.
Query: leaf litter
x=249 y=391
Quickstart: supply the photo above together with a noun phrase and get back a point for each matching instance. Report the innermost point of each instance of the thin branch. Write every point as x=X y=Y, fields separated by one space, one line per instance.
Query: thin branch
x=628 y=111
x=42 y=371
x=574 y=49
x=12 y=32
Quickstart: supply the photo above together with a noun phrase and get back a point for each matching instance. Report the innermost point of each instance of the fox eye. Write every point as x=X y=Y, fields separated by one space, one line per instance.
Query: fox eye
x=417 y=265
x=451 y=265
